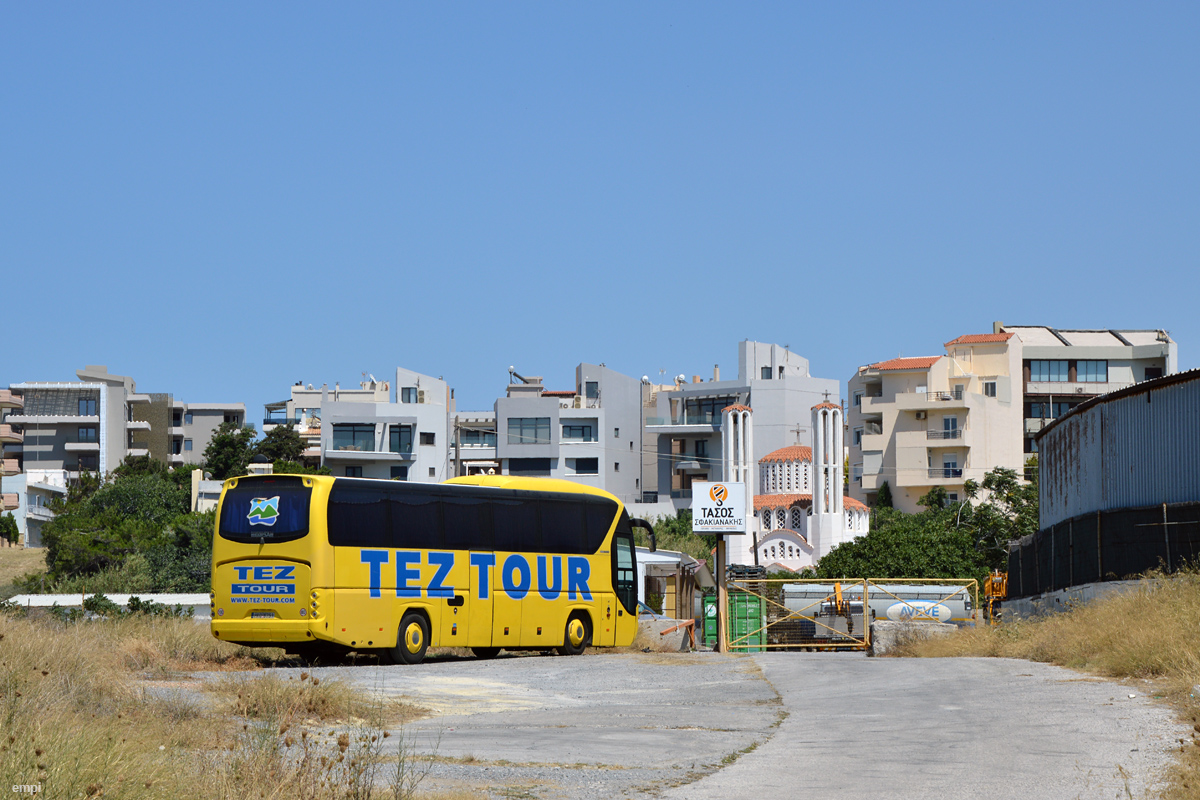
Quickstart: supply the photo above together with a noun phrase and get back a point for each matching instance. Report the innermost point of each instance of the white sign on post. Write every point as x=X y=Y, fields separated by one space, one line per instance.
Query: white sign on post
x=718 y=507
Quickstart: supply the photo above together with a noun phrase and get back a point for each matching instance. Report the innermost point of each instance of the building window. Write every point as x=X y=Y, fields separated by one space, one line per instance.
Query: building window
x=236 y=419
x=591 y=390
x=616 y=466
x=579 y=433
x=187 y=445
x=87 y=406
x=616 y=433
x=427 y=437
x=353 y=472
x=856 y=471
x=989 y=388
x=780 y=518
x=400 y=439
x=399 y=473
x=529 y=430
x=408 y=394
x=528 y=466
x=478 y=438
x=1048 y=371
x=766 y=373
x=587 y=466
x=858 y=433
x=858 y=396
x=952 y=497
x=176 y=419
x=766 y=519
x=1091 y=371
x=354 y=437
x=176 y=446
x=702 y=448
x=432 y=473
x=705 y=410
x=187 y=418
x=89 y=463
x=1044 y=410
x=1153 y=372
x=87 y=434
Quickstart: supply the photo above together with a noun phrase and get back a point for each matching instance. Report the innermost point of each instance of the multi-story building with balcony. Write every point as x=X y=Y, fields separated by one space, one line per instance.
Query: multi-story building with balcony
x=302 y=411
x=590 y=434
x=932 y=421
x=366 y=435
x=1062 y=368
x=682 y=433
x=51 y=432
x=193 y=425
x=921 y=422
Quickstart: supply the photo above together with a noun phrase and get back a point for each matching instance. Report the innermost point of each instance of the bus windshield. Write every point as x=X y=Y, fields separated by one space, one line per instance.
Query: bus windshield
x=266 y=510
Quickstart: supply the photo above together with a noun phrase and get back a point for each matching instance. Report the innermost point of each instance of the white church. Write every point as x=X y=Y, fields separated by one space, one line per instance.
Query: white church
x=800 y=512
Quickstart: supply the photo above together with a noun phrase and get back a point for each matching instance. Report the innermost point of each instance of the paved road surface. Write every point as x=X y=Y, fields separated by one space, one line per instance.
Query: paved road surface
x=779 y=725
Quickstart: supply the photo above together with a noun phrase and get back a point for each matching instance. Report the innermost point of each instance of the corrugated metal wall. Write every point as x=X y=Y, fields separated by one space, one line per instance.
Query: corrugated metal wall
x=1140 y=448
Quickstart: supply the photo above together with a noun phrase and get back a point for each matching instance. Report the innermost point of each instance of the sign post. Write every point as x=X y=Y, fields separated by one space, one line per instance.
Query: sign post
x=719 y=508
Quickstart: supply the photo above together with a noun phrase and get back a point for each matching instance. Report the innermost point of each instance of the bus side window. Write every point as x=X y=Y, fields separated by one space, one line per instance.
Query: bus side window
x=562 y=526
x=515 y=525
x=416 y=522
x=468 y=524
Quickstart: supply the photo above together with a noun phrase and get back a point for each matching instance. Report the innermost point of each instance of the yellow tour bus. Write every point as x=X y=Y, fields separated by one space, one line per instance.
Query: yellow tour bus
x=321 y=566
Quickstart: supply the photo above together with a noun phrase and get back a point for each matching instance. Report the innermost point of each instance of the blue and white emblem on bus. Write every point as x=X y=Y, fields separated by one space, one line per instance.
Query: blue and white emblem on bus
x=263 y=510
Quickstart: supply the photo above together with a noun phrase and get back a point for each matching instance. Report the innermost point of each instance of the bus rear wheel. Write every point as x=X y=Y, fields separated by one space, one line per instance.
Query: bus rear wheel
x=413 y=640
x=576 y=637
x=485 y=652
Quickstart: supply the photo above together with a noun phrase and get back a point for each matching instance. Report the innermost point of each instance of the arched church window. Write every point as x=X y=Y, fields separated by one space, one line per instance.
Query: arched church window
x=781 y=518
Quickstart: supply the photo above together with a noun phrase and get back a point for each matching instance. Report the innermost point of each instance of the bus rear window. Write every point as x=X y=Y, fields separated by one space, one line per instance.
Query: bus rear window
x=265 y=510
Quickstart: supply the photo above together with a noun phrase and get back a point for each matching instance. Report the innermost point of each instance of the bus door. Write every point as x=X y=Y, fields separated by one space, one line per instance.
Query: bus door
x=625 y=584
x=513 y=578
x=480 y=600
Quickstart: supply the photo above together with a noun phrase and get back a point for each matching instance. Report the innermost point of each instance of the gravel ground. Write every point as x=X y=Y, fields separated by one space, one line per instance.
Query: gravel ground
x=792 y=725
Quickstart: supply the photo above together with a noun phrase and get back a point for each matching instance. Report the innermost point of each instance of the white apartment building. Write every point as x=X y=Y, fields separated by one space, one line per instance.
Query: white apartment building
x=1062 y=368
x=53 y=431
x=682 y=436
x=921 y=422
x=942 y=420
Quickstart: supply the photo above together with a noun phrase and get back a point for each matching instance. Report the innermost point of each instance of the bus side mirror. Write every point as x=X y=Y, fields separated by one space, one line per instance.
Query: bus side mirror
x=646 y=526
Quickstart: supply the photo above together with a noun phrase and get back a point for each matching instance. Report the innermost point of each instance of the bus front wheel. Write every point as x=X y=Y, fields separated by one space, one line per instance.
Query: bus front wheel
x=413 y=640
x=576 y=637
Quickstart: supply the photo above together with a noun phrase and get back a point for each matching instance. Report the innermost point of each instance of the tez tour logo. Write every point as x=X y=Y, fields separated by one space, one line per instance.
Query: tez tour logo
x=263 y=510
x=718 y=493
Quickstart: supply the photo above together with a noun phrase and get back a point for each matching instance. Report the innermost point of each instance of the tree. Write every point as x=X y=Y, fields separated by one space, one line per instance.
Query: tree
x=281 y=443
x=229 y=451
x=935 y=498
x=884 y=498
x=296 y=468
x=8 y=528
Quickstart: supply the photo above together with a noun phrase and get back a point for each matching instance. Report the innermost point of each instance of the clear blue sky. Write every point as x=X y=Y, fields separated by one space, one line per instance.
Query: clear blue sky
x=222 y=199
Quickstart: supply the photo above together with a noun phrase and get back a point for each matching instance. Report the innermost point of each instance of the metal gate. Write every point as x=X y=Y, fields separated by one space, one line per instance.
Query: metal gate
x=819 y=614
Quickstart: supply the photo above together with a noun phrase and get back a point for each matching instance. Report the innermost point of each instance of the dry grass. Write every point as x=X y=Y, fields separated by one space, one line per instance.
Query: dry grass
x=1149 y=633
x=15 y=562
x=78 y=717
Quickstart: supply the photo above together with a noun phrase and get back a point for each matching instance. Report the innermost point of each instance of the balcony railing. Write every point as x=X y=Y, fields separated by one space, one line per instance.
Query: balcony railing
x=953 y=433
x=872 y=428
x=957 y=394
x=686 y=419
x=281 y=421
x=946 y=472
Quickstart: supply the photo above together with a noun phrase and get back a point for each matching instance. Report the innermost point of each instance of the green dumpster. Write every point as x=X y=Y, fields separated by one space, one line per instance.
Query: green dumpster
x=708 y=607
x=747 y=623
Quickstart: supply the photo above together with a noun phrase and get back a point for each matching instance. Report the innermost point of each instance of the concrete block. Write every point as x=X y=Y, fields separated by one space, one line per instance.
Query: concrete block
x=650 y=635
x=886 y=635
